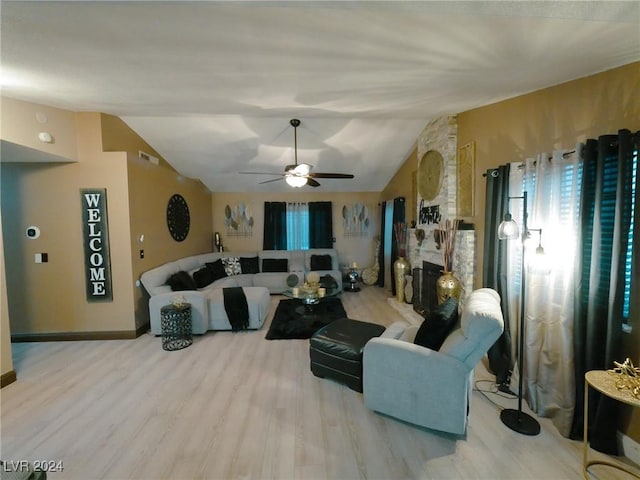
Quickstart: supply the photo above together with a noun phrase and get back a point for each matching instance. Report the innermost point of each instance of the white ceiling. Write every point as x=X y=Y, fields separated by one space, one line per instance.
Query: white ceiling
x=212 y=85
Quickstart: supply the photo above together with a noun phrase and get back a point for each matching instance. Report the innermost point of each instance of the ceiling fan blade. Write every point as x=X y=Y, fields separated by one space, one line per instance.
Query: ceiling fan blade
x=269 y=181
x=331 y=175
x=312 y=183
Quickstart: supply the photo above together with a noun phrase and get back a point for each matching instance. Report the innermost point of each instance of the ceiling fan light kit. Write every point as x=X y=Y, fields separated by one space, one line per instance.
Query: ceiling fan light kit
x=295 y=180
x=299 y=174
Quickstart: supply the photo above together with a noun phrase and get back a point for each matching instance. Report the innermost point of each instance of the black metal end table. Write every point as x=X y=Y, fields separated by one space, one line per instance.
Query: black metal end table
x=176 y=326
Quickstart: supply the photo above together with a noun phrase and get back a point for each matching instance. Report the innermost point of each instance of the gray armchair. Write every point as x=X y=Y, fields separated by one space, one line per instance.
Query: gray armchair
x=426 y=387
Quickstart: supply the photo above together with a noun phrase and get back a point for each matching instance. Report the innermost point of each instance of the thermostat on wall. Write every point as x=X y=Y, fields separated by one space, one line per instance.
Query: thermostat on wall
x=33 y=232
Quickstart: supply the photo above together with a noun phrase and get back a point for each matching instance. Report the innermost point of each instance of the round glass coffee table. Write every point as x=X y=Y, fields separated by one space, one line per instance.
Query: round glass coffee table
x=309 y=297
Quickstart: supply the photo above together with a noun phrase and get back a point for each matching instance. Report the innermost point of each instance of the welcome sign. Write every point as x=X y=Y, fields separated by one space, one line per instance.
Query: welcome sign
x=96 y=244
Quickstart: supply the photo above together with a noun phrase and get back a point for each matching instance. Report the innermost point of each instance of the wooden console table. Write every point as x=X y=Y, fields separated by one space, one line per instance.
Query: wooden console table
x=605 y=383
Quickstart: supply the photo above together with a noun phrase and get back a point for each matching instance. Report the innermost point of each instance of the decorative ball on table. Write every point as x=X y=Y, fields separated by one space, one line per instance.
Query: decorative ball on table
x=313 y=278
x=178 y=301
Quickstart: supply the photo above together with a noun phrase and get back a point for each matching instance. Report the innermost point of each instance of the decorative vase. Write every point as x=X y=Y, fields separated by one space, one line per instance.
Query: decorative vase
x=408 y=288
x=448 y=286
x=401 y=267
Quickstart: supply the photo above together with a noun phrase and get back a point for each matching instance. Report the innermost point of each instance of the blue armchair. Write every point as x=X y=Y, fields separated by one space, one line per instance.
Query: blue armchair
x=427 y=387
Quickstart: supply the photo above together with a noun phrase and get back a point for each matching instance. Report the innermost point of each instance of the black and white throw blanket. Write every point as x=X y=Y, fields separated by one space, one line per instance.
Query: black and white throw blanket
x=235 y=304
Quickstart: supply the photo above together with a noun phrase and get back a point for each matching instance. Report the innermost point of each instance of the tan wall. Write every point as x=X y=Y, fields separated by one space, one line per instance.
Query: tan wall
x=403 y=184
x=556 y=117
x=350 y=249
x=6 y=361
x=24 y=121
x=150 y=187
x=50 y=297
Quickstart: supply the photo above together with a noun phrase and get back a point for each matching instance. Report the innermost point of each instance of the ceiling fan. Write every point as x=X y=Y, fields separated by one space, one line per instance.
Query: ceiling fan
x=299 y=174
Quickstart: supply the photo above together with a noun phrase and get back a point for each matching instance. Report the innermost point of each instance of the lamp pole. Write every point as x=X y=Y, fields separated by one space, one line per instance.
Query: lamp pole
x=517 y=420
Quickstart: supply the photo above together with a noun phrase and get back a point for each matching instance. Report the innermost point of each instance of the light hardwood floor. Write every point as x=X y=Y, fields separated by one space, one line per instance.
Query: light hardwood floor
x=234 y=405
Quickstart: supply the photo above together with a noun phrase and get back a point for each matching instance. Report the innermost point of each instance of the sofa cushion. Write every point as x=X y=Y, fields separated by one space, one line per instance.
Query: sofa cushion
x=275 y=265
x=318 y=252
x=181 y=281
x=218 y=269
x=249 y=265
x=203 y=277
x=438 y=324
x=321 y=262
x=231 y=266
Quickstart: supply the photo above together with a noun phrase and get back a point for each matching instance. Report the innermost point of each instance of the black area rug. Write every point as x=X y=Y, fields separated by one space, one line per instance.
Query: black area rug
x=292 y=321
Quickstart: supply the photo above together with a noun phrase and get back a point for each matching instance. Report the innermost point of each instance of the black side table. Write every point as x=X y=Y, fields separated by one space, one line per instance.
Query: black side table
x=176 y=326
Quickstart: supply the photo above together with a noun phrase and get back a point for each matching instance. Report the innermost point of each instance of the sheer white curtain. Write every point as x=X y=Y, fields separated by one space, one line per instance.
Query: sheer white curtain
x=297 y=226
x=553 y=187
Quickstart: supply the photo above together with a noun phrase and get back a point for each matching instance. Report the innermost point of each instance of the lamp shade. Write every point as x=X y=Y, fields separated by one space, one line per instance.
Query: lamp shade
x=539 y=263
x=295 y=181
x=508 y=228
x=302 y=169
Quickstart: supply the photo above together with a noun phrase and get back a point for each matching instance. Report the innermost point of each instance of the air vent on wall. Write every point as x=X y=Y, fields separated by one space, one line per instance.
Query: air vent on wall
x=149 y=158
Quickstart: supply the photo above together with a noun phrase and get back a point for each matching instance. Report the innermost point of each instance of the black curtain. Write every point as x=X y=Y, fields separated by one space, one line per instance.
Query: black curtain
x=275 y=226
x=494 y=274
x=606 y=205
x=383 y=214
x=398 y=217
x=320 y=225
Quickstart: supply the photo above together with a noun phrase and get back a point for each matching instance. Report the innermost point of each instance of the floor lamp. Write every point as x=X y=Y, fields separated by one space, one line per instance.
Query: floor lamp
x=517 y=420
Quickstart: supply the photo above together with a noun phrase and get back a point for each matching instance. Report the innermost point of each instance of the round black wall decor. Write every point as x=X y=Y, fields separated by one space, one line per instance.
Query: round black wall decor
x=178 y=219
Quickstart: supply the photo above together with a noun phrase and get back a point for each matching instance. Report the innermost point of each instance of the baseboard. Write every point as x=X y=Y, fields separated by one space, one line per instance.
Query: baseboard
x=77 y=336
x=143 y=329
x=629 y=448
x=8 y=378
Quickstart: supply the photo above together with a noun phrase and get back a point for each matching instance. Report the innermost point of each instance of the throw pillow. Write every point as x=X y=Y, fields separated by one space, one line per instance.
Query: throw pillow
x=181 y=281
x=203 y=277
x=328 y=281
x=275 y=265
x=321 y=262
x=249 y=264
x=217 y=268
x=293 y=280
x=232 y=266
x=438 y=324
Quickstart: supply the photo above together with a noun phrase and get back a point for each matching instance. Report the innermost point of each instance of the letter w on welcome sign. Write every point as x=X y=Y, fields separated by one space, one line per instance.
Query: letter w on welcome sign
x=95 y=232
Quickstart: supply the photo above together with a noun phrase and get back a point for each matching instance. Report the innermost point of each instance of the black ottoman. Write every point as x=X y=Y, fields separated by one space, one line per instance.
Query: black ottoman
x=336 y=350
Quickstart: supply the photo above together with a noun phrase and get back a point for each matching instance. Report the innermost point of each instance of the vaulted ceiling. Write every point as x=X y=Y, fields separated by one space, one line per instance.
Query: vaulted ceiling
x=212 y=85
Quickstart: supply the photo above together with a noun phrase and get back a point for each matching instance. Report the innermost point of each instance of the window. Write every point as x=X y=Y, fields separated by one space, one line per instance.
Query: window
x=297 y=226
x=627 y=271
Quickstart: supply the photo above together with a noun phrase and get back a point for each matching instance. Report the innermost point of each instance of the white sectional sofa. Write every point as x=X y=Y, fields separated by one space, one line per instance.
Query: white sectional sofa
x=207 y=300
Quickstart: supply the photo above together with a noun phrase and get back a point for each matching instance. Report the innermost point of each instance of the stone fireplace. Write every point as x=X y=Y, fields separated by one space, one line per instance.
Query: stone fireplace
x=441 y=135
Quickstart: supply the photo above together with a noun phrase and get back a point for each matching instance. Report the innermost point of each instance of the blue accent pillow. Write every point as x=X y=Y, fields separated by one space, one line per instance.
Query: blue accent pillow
x=438 y=324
